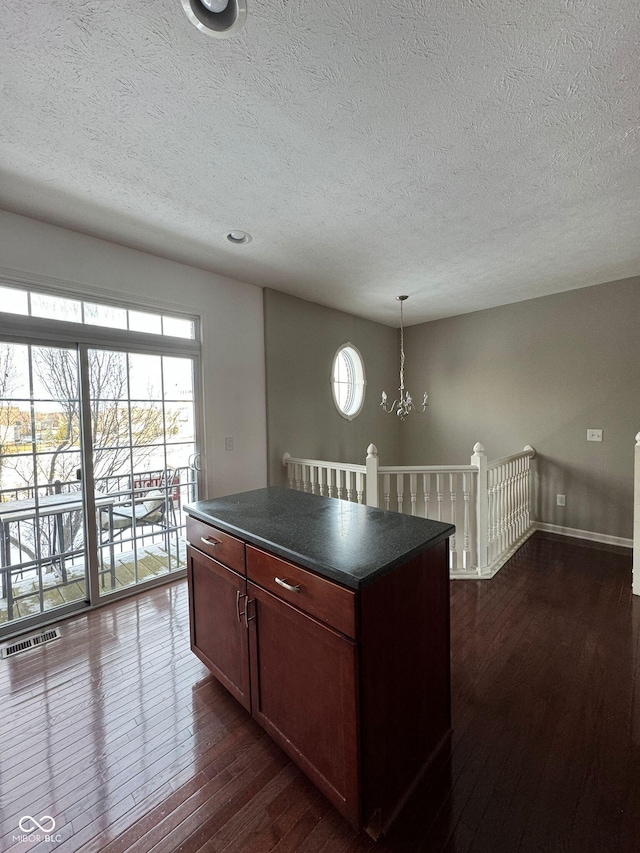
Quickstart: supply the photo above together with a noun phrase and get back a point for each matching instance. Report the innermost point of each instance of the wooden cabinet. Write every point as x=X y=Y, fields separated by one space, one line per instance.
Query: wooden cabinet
x=218 y=632
x=304 y=678
x=352 y=684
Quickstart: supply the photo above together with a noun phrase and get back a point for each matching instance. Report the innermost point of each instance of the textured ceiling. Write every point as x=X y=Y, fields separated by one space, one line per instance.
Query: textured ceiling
x=469 y=153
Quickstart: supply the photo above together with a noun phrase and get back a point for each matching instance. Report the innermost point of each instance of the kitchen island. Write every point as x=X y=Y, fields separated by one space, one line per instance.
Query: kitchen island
x=329 y=622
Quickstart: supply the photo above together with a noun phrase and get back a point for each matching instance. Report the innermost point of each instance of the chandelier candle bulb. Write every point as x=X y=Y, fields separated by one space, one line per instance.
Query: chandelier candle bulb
x=405 y=404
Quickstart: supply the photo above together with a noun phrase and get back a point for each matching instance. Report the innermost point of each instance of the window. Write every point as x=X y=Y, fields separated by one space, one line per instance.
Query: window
x=348 y=381
x=14 y=300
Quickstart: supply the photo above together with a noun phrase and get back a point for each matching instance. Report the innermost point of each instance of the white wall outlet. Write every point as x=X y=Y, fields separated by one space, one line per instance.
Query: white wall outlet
x=594 y=435
x=228 y=443
x=561 y=500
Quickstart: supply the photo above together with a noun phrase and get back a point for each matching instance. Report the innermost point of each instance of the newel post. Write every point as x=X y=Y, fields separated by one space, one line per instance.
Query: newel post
x=285 y=464
x=372 y=475
x=479 y=459
x=636 y=519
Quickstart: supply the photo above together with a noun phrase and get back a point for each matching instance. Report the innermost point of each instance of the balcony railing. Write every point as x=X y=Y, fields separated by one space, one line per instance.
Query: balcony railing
x=42 y=536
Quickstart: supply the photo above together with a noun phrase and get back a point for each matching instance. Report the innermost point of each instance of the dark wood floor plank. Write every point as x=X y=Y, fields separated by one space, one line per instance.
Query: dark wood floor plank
x=121 y=734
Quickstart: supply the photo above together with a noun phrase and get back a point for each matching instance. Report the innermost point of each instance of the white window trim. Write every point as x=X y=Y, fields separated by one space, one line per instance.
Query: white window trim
x=349 y=416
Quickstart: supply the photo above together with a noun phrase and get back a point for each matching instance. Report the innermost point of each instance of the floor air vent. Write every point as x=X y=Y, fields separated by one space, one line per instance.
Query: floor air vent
x=11 y=649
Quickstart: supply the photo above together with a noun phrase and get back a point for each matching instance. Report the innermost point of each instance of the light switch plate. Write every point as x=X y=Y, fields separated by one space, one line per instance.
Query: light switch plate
x=594 y=435
x=228 y=443
x=561 y=500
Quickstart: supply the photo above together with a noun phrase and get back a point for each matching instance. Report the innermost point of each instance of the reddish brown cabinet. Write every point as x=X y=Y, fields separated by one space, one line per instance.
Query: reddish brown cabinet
x=352 y=683
x=218 y=633
x=304 y=678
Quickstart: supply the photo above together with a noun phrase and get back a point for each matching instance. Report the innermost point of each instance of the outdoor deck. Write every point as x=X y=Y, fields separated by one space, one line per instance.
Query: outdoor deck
x=153 y=561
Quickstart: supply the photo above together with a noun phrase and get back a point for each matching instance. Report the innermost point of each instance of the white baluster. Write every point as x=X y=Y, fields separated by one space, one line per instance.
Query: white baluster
x=298 y=476
x=510 y=503
x=491 y=511
x=386 y=490
x=413 y=491
x=348 y=475
x=400 y=490
x=339 y=487
x=466 y=545
x=360 y=487
x=426 y=490
x=322 y=479
x=314 y=479
x=521 y=476
x=452 y=538
x=439 y=495
x=502 y=508
x=330 y=482
x=514 y=498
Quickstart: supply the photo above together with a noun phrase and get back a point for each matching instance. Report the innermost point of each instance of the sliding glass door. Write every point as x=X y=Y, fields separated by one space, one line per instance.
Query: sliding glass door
x=143 y=442
x=97 y=459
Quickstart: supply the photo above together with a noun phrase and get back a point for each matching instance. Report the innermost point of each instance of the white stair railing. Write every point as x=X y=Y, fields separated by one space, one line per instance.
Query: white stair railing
x=331 y=479
x=441 y=492
x=508 y=501
x=636 y=519
x=488 y=502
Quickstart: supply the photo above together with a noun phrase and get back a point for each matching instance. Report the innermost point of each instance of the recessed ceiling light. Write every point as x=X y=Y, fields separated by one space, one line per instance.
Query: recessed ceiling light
x=238 y=237
x=217 y=18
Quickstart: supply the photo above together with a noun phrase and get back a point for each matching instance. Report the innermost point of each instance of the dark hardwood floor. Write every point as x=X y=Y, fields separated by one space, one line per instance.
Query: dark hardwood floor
x=118 y=732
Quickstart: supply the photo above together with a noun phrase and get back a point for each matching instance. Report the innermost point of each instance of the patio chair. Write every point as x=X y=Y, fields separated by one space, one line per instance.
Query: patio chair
x=154 y=508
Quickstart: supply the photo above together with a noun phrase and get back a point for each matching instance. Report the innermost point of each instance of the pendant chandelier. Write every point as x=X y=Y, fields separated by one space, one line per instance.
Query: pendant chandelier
x=405 y=404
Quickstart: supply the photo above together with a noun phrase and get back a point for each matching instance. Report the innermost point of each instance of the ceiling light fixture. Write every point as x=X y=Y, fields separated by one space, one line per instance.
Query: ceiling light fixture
x=216 y=18
x=405 y=404
x=238 y=237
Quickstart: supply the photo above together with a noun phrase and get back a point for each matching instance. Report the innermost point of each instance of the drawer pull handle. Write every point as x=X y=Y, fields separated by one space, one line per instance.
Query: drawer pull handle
x=288 y=586
x=209 y=540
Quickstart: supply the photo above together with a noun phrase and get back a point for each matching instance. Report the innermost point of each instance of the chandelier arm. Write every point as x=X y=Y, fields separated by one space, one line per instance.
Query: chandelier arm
x=389 y=408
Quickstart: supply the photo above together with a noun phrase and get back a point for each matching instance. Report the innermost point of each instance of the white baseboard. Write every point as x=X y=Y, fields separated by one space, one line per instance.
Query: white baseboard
x=589 y=535
x=490 y=571
x=493 y=568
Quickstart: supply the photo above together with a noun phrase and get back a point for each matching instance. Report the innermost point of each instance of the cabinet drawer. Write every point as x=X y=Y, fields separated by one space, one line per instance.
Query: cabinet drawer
x=327 y=601
x=217 y=544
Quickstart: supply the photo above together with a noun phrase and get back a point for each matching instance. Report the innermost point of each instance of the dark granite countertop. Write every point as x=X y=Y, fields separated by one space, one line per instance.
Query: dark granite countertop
x=344 y=541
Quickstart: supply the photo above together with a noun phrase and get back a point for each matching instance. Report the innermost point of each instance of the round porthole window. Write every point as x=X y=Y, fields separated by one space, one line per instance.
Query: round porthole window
x=348 y=381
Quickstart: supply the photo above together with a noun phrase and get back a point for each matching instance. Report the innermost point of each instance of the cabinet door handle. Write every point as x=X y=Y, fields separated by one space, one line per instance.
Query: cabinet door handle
x=209 y=540
x=287 y=586
x=242 y=615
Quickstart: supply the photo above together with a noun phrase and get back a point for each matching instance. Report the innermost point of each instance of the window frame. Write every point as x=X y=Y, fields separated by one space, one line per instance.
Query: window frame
x=359 y=382
x=27 y=329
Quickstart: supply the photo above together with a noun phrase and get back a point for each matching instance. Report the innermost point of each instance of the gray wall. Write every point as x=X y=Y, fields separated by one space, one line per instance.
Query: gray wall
x=301 y=339
x=538 y=372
